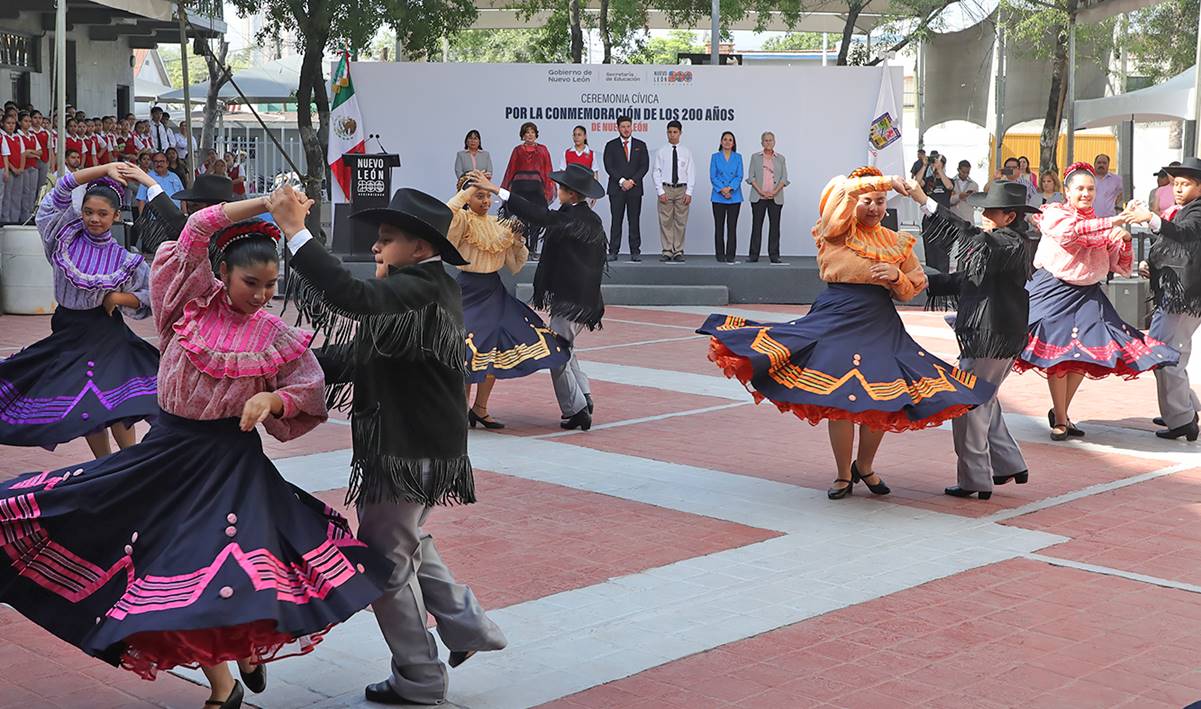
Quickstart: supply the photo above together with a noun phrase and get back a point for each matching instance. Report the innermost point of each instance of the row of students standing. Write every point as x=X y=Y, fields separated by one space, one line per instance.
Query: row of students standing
x=672 y=170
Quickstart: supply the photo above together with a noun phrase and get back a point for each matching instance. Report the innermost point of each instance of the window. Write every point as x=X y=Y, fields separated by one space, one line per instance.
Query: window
x=18 y=51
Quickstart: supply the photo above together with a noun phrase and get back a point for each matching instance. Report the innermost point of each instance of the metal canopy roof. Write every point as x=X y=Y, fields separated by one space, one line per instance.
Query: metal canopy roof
x=825 y=16
x=146 y=23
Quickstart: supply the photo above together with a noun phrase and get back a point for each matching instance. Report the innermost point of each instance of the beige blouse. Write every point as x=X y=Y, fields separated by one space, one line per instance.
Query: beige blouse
x=487 y=242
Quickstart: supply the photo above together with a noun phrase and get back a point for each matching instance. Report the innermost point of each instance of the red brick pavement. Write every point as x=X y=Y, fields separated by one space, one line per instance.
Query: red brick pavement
x=1015 y=634
x=526 y=539
x=1151 y=528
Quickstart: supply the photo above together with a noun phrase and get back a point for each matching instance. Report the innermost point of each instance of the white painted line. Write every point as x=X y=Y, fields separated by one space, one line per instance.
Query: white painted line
x=644 y=419
x=640 y=342
x=655 y=324
x=1089 y=491
x=1110 y=571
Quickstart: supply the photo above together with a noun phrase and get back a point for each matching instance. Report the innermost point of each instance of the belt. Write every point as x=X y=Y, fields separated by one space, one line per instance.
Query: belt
x=678 y=184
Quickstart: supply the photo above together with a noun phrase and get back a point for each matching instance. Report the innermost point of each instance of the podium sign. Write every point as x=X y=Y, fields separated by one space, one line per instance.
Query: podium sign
x=370 y=188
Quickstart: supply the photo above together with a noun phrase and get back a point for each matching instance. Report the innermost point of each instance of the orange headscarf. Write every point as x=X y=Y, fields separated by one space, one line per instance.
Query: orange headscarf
x=877 y=243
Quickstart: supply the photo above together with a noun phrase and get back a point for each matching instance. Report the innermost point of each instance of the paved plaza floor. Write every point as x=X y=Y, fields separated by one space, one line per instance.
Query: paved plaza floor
x=683 y=554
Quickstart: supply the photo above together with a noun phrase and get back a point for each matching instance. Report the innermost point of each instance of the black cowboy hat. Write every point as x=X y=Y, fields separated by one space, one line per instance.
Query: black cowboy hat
x=208 y=189
x=1161 y=172
x=1189 y=167
x=420 y=215
x=579 y=179
x=1003 y=195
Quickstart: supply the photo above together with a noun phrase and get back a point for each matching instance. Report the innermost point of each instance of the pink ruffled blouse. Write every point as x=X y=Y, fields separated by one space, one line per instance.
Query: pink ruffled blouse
x=1076 y=246
x=215 y=358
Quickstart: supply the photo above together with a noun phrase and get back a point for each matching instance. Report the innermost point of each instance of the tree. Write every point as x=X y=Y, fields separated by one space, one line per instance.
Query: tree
x=215 y=63
x=1162 y=39
x=1040 y=27
x=664 y=50
x=504 y=47
x=577 y=32
x=321 y=25
x=793 y=41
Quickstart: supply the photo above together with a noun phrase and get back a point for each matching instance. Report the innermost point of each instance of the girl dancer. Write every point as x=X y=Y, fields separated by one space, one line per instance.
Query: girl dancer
x=850 y=360
x=1074 y=330
x=505 y=338
x=92 y=372
x=190 y=548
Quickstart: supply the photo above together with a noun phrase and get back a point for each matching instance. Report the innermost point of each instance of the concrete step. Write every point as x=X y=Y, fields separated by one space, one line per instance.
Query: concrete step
x=628 y=294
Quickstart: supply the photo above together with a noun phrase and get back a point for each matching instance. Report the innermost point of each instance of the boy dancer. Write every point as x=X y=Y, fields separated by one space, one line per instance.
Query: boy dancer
x=990 y=285
x=406 y=361
x=567 y=282
x=1174 y=266
x=674 y=179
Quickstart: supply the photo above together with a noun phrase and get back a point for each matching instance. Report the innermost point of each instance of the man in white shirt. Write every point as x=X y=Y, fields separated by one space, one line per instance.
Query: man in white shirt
x=160 y=134
x=674 y=178
x=1109 y=188
x=964 y=187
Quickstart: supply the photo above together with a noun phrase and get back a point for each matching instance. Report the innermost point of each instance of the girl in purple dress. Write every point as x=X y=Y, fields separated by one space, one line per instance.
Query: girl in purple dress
x=92 y=373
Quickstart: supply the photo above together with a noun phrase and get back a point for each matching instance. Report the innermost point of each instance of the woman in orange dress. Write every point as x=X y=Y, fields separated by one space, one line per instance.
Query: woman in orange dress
x=849 y=360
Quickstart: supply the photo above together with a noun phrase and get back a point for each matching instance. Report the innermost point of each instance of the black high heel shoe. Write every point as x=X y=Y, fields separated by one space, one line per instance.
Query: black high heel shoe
x=878 y=489
x=255 y=681
x=837 y=493
x=486 y=421
x=960 y=492
x=1072 y=430
x=581 y=420
x=1019 y=478
x=233 y=701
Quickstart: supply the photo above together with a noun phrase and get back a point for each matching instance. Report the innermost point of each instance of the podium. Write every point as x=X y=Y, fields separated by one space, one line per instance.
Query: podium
x=370 y=188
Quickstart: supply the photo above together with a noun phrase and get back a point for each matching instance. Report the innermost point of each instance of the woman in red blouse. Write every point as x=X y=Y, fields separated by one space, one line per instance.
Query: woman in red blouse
x=528 y=175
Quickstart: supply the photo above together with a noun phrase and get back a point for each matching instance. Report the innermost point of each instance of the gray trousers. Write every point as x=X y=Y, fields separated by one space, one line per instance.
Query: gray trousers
x=420 y=584
x=571 y=384
x=29 y=193
x=982 y=440
x=1177 y=402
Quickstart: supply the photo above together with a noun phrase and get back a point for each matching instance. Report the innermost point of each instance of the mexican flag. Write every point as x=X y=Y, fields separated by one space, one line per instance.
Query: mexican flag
x=346 y=134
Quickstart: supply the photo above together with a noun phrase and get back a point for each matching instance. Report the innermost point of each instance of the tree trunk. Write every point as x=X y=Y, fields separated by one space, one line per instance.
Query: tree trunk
x=577 y=33
x=311 y=89
x=848 y=30
x=603 y=24
x=1048 y=142
x=217 y=79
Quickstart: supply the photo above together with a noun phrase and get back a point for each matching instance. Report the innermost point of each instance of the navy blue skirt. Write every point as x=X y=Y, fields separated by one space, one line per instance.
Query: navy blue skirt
x=1076 y=329
x=188 y=548
x=850 y=359
x=91 y=372
x=505 y=338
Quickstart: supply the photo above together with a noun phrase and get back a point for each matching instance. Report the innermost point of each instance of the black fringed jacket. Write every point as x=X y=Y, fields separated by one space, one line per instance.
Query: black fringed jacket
x=160 y=221
x=574 y=256
x=1175 y=261
x=400 y=341
x=989 y=285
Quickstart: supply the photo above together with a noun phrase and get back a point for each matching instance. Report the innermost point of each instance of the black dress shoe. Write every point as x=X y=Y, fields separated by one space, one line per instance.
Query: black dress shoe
x=1019 y=478
x=233 y=701
x=588 y=398
x=960 y=492
x=612 y=257
x=678 y=258
x=382 y=693
x=840 y=489
x=255 y=681
x=636 y=258
x=1072 y=430
x=1158 y=421
x=664 y=258
x=752 y=260
x=581 y=420
x=1188 y=430
x=457 y=658
x=878 y=489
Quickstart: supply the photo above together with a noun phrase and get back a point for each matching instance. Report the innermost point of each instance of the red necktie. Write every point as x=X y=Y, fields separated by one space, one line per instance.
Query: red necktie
x=626 y=144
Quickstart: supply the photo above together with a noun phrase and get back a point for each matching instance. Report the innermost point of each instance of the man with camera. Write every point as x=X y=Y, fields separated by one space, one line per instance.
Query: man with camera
x=939 y=188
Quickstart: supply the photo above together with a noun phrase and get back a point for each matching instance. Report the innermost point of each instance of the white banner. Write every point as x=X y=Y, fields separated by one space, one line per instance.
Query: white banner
x=818 y=114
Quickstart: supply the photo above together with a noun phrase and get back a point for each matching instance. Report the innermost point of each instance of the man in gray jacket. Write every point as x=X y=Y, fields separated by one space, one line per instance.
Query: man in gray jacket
x=767 y=176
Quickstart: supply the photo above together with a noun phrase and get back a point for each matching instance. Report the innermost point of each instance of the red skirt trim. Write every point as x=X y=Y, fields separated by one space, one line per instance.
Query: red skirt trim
x=737 y=367
x=149 y=653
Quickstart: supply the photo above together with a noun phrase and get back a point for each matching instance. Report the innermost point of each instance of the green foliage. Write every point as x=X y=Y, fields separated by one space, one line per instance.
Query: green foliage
x=1162 y=38
x=505 y=46
x=197 y=70
x=663 y=50
x=794 y=41
x=1038 y=30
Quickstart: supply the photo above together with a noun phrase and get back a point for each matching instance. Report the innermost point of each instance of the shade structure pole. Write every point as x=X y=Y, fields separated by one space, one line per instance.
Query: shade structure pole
x=187 y=95
x=715 y=33
x=1070 y=149
x=1197 y=93
x=999 y=96
x=60 y=74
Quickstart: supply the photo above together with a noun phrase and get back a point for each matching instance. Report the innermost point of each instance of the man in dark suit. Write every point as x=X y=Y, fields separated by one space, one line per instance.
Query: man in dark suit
x=627 y=162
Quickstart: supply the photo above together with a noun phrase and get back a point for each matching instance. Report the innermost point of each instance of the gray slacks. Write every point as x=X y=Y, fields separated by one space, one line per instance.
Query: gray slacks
x=420 y=583
x=570 y=382
x=29 y=193
x=983 y=443
x=1177 y=402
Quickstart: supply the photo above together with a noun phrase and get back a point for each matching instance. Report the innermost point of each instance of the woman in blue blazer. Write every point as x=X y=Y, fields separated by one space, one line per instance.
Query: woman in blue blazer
x=725 y=174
